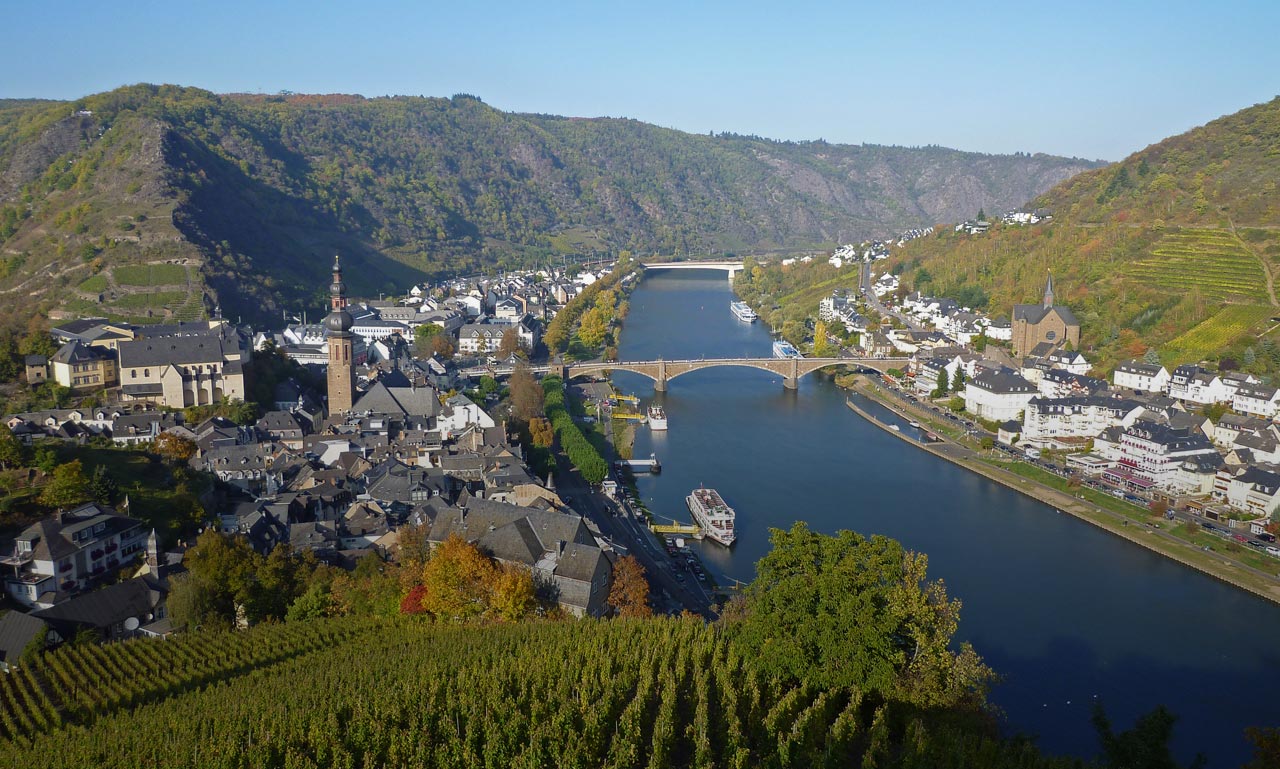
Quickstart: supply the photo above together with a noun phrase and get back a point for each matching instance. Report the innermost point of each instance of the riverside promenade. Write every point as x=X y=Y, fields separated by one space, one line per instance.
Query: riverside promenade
x=1141 y=532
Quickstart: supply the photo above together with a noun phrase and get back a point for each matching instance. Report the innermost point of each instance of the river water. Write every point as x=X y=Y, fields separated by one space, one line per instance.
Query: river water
x=1065 y=612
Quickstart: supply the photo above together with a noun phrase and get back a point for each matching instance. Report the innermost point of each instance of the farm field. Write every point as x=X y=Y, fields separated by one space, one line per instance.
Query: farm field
x=1217 y=333
x=1212 y=262
x=151 y=275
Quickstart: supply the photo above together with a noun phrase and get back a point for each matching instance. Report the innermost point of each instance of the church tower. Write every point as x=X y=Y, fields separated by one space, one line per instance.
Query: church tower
x=1048 y=292
x=342 y=381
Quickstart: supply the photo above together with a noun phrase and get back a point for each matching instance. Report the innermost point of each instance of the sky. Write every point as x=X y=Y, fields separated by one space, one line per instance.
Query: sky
x=1097 y=80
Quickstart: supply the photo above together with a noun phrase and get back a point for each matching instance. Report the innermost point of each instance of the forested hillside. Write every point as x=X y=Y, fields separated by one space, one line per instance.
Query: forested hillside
x=242 y=200
x=1175 y=248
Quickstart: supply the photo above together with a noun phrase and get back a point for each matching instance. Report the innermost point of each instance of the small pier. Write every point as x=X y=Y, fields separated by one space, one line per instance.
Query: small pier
x=650 y=465
x=677 y=529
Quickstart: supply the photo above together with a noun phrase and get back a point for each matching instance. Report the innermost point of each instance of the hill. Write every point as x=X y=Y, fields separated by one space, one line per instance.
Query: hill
x=1177 y=247
x=241 y=200
x=658 y=693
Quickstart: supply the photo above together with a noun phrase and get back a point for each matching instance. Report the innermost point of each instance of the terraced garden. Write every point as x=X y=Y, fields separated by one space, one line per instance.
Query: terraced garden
x=151 y=275
x=1210 y=261
x=143 y=293
x=1218 y=332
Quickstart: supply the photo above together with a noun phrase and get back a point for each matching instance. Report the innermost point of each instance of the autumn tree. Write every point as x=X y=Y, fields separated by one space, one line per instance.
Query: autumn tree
x=593 y=327
x=442 y=346
x=629 y=593
x=542 y=433
x=67 y=488
x=510 y=344
x=456 y=580
x=511 y=593
x=526 y=394
x=175 y=448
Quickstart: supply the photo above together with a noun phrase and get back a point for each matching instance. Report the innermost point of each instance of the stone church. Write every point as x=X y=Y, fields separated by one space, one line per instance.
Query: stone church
x=1044 y=322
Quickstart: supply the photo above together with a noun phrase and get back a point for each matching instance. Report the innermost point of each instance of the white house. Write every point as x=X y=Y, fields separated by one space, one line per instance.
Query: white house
x=1049 y=419
x=1249 y=490
x=1137 y=375
x=461 y=411
x=998 y=395
x=1193 y=384
x=1149 y=454
x=1257 y=400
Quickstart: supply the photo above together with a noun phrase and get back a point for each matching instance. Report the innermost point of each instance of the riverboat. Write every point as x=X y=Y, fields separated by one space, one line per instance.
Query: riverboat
x=657 y=418
x=784 y=349
x=712 y=515
x=743 y=312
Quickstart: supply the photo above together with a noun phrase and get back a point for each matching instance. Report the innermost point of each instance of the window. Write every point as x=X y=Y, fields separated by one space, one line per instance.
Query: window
x=1050 y=335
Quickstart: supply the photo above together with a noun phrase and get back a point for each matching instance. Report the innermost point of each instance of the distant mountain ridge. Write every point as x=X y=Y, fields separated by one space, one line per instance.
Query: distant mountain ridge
x=1177 y=248
x=251 y=195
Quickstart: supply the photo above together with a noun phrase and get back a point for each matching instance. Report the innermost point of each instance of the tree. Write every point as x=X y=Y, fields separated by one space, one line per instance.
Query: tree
x=593 y=327
x=526 y=394
x=958 y=384
x=629 y=593
x=821 y=344
x=511 y=594
x=510 y=344
x=220 y=580
x=103 y=486
x=12 y=453
x=982 y=214
x=943 y=384
x=1145 y=746
x=1151 y=356
x=175 y=448
x=424 y=334
x=67 y=488
x=980 y=342
x=541 y=432
x=455 y=581
x=442 y=346
x=849 y=611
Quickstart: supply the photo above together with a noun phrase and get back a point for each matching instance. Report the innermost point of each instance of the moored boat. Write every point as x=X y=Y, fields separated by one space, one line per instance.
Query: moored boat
x=784 y=349
x=657 y=418
x=713 y=515
x=743 y=312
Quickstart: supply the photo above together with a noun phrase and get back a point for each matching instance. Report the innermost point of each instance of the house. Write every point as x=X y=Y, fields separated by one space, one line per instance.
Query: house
x=1148 y=454
x=65 y=553
x=1144 y=377
x=557 y=547
x=1051 y=421
x=81 y=367
x=998 y=395
x=1256 y=399
x=1044 y=322
x=1194 y=384
x=1251 y=490
x=113 y=613
x=284 y=427
x=36 y=368
x=18 y=632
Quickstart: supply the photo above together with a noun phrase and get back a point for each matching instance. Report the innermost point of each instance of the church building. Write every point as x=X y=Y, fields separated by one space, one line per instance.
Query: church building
x=342 y=380
x=1044 y=322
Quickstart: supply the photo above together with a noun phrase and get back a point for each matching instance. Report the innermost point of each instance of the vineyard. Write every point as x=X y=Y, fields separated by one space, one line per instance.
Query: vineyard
x=655 y=693
x=1217 y=333
x=1211 y=262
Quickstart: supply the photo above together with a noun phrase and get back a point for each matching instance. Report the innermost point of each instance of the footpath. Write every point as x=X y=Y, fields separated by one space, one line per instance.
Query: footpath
x=1141 y=533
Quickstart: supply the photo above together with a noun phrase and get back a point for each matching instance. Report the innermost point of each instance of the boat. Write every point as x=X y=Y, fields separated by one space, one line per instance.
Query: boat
x=657 y=418
x=712 y=515
x=895 y=428
x=784 y=349
x=743 y=312
x=914 y=423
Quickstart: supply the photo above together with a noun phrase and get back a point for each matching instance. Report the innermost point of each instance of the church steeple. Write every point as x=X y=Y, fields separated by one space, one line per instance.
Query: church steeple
x=1048 y=292
x=337 y=326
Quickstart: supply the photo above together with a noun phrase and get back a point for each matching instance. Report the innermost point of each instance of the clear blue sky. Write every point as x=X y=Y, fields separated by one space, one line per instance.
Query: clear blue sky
x=1091 y=79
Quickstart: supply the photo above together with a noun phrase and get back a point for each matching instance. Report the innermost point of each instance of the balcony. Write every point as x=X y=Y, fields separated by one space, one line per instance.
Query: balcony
x=17 y=558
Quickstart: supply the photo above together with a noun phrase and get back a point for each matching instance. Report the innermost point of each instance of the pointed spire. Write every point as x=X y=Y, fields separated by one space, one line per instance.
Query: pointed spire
x=1048 y=292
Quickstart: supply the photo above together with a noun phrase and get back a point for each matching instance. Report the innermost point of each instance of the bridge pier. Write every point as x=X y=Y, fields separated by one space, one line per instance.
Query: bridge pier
x=660 y=382
x=791 y=380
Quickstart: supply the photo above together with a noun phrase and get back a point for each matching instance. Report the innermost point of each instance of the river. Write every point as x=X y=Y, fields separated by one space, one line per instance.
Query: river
x=1065 y=612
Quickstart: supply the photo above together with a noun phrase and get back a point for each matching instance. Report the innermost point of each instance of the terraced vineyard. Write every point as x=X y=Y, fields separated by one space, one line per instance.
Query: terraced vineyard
x=1210 y=261
x=143 y=293
x=653 y=693
x=1218 y=332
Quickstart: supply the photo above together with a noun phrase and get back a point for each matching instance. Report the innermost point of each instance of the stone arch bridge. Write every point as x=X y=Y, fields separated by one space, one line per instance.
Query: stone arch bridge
x=663 y=371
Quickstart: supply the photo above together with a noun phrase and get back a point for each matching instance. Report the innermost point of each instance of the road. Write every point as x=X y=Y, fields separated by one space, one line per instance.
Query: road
x=874 y=302
x=620 y=524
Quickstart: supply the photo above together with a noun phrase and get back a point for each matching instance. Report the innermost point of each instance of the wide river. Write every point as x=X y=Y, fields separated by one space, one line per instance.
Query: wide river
x=1065 y=612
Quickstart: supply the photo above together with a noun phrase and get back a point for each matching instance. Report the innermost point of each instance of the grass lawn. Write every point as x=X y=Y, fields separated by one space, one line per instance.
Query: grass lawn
x=94 y=284
x=1197 y=536
x=1093 y=496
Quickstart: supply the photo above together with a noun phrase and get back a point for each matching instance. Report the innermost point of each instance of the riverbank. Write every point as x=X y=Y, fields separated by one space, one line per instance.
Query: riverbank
x=1143 y=533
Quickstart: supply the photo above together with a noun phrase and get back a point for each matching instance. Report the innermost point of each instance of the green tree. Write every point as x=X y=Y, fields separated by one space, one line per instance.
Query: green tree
x=422 y=336
x=103 y=487
x=219 y=583
x=12 y=452
x=980 y=341
x=943 y=383
x=849 y=611
x=1151 y=356
x=67 y=487
x=1145 y=746
x=958 y=384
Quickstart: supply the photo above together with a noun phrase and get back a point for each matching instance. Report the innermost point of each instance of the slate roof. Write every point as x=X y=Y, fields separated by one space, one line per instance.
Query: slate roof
x=106 y=607
x=173 y=350
x=16 y=631
x=75 y=351
x=403 y=401
x=1002 y=381
x=51 y=539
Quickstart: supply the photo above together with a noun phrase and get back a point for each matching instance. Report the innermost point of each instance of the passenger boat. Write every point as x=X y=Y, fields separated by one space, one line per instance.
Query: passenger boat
x=712 y=515
x=657 y=418
x=743 y=312
x=784 y=349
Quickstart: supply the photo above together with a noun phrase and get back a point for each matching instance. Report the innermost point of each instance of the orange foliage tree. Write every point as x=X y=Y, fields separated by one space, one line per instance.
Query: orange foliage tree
x=629 y=594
